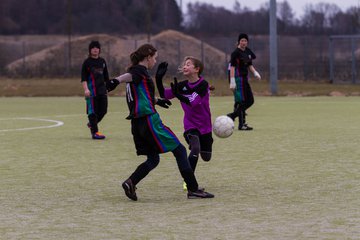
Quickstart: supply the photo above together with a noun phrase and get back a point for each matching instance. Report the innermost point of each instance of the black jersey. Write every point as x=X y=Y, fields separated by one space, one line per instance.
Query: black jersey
x=241 y=60
x=140 y=93
x=94 y=71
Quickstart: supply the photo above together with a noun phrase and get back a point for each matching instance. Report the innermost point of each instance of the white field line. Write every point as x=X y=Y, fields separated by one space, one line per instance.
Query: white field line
x=57 y=124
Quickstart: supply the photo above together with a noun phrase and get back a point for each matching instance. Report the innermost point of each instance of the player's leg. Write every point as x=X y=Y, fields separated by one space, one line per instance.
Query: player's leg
x=102 y=107
x=188 y=174
x=144 y=146
x=206 y=142
x=95 y=119
x=192 y=138
x=129 y=185
x=91 y=110
x=234 y=114
x=249 y=101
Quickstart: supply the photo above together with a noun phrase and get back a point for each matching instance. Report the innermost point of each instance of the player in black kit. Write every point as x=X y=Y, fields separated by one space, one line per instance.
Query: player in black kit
x=94 y=75
x=240 y=65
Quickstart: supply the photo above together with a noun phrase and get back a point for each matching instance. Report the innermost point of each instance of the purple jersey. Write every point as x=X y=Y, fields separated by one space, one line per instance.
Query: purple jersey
x=197 y=115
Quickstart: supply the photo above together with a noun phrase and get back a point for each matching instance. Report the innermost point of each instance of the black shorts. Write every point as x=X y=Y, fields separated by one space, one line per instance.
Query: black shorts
x=151 y=136
x=206 y=140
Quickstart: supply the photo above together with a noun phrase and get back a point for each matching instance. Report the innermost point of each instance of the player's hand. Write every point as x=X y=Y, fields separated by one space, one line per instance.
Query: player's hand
x=160 y=73
x=161 y=70
x=162 y=102
x=112 y=84
x=257 y=75
x=175 y=91
x=87 y=93
x=232 y=83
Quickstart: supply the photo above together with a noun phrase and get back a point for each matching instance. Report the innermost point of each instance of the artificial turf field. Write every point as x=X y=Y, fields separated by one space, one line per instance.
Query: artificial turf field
x=296 y=176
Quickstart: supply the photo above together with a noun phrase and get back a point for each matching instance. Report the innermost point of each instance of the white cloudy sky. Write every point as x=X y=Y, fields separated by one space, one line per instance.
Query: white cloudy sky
x=296 y=5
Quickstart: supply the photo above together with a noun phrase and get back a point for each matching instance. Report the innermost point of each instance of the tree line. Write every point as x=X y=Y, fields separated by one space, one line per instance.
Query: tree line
x=152 y=16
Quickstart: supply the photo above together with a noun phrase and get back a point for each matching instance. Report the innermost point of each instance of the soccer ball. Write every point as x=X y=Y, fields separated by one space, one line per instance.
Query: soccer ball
x=223 y=126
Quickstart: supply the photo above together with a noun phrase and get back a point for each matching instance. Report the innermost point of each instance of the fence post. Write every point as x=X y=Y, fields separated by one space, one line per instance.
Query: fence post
x=305 y=59
x=24 y=56
x=353 y=61
x=273 y=48
x=331 y=59
x=202 y=52
x=179 y=52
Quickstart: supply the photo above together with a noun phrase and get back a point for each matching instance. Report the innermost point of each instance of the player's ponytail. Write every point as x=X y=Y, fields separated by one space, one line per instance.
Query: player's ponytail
x=141 y=53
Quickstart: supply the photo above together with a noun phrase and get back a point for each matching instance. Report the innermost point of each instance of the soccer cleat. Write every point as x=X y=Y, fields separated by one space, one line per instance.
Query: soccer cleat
x=184 y=186
x=129 y=189
x=200 y=193
x=98 y=135
x=231 y=115
x=245 y=127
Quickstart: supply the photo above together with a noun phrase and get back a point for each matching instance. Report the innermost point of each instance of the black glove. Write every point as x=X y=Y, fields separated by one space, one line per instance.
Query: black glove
x=160 y=73
x=162 y=102
x=111 y=84
x=175 y=91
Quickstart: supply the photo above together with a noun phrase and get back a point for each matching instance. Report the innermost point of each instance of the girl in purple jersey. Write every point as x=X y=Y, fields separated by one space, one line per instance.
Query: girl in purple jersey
x=193 y=94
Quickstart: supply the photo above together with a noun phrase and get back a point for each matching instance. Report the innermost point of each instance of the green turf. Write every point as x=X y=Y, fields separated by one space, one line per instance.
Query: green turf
x=296 y=176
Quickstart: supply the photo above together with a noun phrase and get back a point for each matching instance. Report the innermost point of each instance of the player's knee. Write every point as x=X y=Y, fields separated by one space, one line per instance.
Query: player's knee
x=153 y=161
x=206 y=156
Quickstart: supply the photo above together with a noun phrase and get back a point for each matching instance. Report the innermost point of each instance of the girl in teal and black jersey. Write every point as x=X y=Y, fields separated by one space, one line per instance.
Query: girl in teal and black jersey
x=151 y=136
x=239 y=67
x=94 y=75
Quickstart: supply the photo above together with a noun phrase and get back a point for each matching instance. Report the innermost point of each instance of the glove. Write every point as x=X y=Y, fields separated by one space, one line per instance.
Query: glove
x=160 y=72
x=111 y=84
x=175 y=91
x=257 y=75
x=162 y=102
x=232 y=83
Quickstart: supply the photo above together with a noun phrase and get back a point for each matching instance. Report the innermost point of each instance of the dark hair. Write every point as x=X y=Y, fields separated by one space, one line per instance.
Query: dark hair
x=141 y=53
x=243 y=35
x=94 y=44
x=197 y=63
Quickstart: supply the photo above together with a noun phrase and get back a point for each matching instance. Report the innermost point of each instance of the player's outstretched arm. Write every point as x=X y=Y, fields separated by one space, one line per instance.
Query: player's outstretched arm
x=160 y=73
x=113 y=83
x=126 y=77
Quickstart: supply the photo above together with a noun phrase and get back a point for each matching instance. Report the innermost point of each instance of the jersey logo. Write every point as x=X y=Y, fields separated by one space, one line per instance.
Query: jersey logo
x=193 y=96
x=184 y=88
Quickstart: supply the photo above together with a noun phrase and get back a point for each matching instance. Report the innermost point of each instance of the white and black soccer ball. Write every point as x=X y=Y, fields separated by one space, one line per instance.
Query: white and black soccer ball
x=223 y=126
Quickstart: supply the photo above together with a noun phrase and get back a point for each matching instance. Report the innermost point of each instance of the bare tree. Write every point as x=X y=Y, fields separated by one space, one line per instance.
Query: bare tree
x=285 y=13
x=318 y=17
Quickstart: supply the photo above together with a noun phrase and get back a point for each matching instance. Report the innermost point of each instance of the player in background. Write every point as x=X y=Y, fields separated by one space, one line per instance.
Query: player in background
x=94 y=75
x=151 y=136
x=194 y=97
x=240 y=65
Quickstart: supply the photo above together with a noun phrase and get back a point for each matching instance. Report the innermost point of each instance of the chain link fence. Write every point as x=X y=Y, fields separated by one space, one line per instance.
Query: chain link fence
x=305 y=58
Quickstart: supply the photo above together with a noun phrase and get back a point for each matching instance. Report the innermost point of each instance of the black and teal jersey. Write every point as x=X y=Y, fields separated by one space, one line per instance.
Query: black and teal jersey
x=241 y=60
x=140 y=93
x=94 y=71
